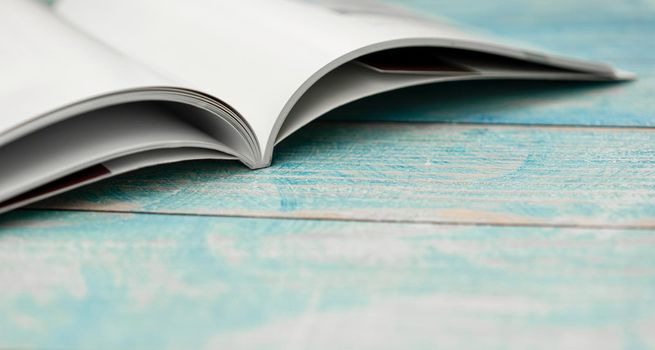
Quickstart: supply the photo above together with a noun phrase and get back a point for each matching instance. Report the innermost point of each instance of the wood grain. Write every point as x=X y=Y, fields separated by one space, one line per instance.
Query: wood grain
x=476 y=174
x=552 y=245
x=80 y=280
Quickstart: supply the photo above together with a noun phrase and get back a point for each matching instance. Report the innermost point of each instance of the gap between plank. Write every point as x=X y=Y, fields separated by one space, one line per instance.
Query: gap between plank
x=354 y=220
x=494 y=125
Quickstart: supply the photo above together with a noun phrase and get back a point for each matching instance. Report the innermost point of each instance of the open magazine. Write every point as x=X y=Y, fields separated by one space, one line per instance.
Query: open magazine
x=94 y=88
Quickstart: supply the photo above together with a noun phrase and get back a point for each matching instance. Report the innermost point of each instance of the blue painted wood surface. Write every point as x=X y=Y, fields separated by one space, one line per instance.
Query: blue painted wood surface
x=111 y=280
x=383 y=226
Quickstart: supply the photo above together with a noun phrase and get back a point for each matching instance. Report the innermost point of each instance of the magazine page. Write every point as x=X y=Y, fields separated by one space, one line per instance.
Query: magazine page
x=114 y=132
x=52 y=125
x=260 y=56
x=114 y=140
x=45 y=65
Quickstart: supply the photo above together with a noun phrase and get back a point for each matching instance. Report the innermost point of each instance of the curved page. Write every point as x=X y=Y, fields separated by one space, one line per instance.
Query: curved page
x=91 y=139
x=45 y=65
x=260 y=56
x=98 y=172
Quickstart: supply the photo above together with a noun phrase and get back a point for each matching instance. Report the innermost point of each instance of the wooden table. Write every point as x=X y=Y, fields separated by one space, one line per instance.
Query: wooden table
x=469 y=215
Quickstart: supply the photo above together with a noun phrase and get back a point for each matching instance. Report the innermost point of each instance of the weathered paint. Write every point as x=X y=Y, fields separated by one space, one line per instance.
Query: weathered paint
x=89 y=280
x=577 y=271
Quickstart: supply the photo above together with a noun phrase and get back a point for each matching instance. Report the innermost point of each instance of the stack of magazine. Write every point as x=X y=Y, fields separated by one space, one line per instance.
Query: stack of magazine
x=94 y=88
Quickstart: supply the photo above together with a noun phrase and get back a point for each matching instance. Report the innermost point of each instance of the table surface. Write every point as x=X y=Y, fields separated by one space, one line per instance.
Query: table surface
x=487 y=214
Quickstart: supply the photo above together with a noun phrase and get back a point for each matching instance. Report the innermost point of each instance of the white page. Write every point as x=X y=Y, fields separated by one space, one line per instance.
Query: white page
x=353 y=81
x=261 y=55
x=46 y=65
x=93 y=138
x=115 y=167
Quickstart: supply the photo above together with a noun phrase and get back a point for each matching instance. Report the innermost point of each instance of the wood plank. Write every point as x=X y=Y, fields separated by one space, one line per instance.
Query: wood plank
x=505 y=175
x=84 y=280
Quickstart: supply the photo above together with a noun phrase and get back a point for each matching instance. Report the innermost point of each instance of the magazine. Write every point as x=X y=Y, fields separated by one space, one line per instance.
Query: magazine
x=94 y=88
